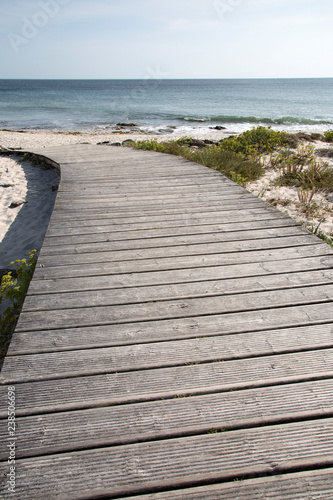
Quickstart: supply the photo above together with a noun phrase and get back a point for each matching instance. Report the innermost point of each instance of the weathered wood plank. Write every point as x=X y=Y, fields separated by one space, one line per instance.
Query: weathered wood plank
x=224 y=247
x=298 y=486
x=182 y=308
x=130 y=231
x=154 y=235
x=180 y=276
x=97 y=297
x=144 y=213
x=92 y=391
x=164 y=354
x=183 y=328
x=188 y=461
x=173 y=263
x=119 y=425
x=174 y=241
x=122 y=225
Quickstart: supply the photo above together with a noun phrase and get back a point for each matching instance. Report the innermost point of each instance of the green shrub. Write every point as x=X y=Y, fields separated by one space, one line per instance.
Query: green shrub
x=14 y=290
x=258 y=141
x=328 y=136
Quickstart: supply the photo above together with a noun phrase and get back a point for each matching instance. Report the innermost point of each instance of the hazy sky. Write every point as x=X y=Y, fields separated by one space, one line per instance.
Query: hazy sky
x=166 y=39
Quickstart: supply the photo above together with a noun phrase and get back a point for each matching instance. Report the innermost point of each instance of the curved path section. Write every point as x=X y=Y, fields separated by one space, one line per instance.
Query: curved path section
x=177 y=336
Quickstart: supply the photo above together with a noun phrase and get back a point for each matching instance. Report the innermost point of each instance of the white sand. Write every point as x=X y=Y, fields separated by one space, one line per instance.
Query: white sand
x=286 y=199
x=22 y=229
x=13 y=190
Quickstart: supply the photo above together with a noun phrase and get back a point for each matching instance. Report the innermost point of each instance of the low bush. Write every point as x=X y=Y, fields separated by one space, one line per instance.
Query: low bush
x=258 y=141
x=328 y=136
x=14 y=290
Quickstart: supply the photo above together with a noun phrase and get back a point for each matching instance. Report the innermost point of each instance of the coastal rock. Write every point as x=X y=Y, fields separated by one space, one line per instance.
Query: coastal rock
x=17 y=203
x=165 y=131
x=128 y=142
x=302 y=136
x=127 y=125
x=325 y=152
x=108 y=143
x=317 y=137
x=218 y=127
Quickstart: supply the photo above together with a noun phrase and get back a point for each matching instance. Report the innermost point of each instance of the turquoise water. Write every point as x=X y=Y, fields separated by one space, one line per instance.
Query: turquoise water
x=161 y=105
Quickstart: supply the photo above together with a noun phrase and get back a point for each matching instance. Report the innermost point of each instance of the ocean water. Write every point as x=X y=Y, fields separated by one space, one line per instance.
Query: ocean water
x=162 y=106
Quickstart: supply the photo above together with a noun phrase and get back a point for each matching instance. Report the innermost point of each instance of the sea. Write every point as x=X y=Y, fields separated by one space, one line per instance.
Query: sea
x=166 y=106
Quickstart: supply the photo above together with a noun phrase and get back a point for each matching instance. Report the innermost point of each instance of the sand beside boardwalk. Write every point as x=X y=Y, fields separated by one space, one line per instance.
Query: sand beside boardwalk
x=26 y=204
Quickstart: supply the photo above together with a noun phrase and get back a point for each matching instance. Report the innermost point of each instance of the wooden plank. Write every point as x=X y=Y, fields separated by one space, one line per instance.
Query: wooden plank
x=224 y=247
x=183 y=328
x=141 y=216
x=138 y=225
x=155 y=235
x=114 y=199
x=92 y=391
x=125 y=424
x=169 y=309
x=180 y=276
x=174 y=241
x=188 y=228
x=98 y=191
x=314 y=484
x=184 y=462
x=97 y=297
x=166 y=354
x=173 y=263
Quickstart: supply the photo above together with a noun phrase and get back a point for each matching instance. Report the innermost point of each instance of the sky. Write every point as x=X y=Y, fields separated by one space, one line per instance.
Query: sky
x=134 y=39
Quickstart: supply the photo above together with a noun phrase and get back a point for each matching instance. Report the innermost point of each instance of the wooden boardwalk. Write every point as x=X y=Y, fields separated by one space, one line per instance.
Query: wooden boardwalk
x=176 y=341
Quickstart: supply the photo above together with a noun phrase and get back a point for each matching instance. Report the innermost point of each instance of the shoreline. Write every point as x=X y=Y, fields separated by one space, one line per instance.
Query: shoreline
x=22 y=139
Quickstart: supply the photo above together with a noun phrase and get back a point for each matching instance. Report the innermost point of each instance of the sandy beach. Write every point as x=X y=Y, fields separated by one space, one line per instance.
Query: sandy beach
x=27 y=192
x=27 y=195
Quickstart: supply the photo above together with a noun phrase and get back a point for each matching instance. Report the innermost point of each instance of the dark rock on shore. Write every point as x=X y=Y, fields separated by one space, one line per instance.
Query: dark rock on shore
x=128 y=142
x=218 y=127
x=311 y=137
x=18 y=203
x=127 y=125
x=108 y=143
x=325 y=152
x=317 y=137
